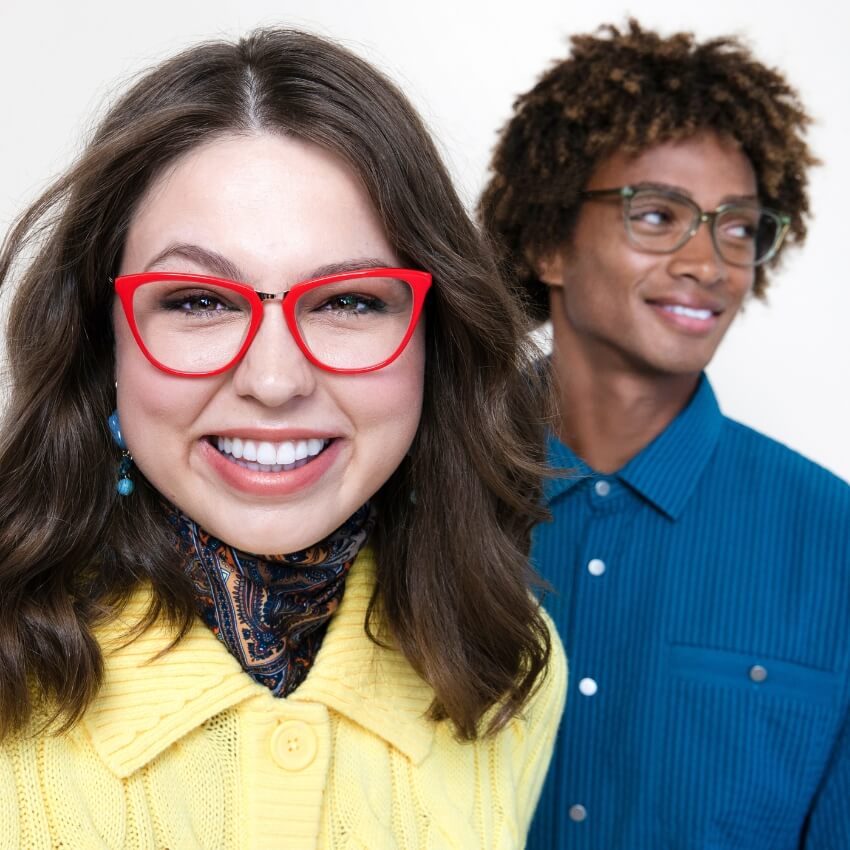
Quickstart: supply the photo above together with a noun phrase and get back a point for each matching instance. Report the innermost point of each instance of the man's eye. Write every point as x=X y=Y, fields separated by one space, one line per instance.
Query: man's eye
x=654 y=215
x=743 y=230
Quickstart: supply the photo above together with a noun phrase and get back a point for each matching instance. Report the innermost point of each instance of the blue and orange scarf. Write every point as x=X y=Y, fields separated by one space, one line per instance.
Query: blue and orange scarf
x=270 y=611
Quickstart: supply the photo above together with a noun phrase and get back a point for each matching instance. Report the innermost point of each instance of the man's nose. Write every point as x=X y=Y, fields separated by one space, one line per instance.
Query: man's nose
x=698 y=258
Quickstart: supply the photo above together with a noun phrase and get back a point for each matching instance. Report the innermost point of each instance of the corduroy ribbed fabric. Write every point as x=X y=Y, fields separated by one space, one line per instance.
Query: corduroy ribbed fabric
x=703 y=596
x=186 y=751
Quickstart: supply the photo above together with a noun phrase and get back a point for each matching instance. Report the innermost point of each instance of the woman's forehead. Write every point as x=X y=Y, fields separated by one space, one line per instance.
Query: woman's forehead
x=265 y=204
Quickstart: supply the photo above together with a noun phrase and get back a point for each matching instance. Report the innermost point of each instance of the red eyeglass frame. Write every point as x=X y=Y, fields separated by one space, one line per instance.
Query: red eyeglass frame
x=419 y=282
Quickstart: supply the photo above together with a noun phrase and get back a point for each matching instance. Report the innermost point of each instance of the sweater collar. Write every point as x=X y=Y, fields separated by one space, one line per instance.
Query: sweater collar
x=152 y=695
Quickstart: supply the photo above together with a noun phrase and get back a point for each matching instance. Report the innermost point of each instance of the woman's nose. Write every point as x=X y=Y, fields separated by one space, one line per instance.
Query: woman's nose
x=274 y=369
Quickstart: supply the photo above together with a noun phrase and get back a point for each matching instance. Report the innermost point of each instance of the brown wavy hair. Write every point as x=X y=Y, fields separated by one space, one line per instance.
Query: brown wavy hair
x=453 y=576
x=629 y=91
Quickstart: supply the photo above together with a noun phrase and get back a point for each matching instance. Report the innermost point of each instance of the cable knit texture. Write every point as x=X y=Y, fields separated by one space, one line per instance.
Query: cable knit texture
x=186 y=751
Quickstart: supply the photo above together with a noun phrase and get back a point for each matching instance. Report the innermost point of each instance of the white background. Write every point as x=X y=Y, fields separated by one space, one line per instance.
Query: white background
x=782 y=369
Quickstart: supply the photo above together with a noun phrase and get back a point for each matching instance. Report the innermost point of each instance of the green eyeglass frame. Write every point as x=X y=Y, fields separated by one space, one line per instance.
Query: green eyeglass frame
x=771 y=226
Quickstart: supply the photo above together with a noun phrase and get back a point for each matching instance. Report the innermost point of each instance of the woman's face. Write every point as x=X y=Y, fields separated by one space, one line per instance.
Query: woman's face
x=269 y=211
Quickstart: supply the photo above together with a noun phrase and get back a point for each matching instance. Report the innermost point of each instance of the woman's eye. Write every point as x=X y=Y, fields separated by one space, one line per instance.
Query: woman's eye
x=197 y=302
x=353 y=303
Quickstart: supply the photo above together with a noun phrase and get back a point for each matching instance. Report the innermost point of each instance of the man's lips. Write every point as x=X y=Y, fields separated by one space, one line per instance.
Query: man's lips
x=688 y=305
x=687 y=314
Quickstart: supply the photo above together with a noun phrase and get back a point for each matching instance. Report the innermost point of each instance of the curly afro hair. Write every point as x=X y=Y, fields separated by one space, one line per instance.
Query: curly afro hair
x=630 y=91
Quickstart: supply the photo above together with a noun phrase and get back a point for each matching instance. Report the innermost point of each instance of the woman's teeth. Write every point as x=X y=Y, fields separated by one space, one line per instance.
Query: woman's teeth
x=265 y=456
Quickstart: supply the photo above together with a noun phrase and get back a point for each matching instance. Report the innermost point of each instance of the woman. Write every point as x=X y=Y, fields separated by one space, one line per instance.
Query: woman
x=162 y=686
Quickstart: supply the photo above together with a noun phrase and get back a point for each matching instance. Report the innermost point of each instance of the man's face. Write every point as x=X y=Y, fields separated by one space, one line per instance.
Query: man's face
x=625 y=309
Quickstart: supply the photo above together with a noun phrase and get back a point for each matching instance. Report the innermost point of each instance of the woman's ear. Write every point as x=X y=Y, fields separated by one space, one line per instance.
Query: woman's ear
x=550 y=268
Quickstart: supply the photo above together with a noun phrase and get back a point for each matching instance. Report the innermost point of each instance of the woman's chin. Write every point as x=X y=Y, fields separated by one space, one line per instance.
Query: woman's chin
x=268 y=532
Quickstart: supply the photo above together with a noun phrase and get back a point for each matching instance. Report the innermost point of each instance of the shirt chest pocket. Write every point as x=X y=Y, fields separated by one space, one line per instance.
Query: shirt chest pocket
x=746 y=740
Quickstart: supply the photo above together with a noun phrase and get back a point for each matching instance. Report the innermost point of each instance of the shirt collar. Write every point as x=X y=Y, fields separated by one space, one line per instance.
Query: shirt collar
x=568 y=467
x=667 y=470
x=152 y=695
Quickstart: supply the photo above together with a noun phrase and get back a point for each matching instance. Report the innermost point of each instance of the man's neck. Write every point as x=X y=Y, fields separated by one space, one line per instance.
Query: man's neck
x=609 y=413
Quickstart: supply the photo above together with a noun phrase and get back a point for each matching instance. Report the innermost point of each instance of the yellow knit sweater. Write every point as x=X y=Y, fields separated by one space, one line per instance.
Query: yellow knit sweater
x=186 y=751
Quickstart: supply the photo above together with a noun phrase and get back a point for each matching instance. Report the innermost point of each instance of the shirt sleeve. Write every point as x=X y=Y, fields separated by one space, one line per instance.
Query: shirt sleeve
x=828 y=824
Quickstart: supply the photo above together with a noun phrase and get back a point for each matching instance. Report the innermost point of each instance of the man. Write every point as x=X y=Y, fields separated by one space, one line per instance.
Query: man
x=641 y=192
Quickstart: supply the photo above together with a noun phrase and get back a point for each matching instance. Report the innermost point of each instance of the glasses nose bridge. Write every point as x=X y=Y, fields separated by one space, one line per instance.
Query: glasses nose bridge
x=272 y=296
x=708 y=217
x=267 y=298
x=702 y=217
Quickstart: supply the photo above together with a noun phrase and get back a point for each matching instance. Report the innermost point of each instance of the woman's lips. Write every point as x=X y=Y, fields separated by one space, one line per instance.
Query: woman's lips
x=268 y=455
x=277 y=479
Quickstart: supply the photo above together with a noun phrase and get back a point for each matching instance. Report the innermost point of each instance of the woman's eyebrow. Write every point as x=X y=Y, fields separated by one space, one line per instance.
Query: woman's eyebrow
x=349 y=265
x=212 y=261
x=220 y=266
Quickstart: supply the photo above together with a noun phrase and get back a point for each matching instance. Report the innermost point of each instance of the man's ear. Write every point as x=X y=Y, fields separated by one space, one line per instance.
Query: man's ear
x=551 y=267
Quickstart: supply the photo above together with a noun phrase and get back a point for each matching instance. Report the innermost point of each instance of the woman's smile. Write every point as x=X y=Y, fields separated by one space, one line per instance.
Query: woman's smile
x=268 y=456
x=269 y=480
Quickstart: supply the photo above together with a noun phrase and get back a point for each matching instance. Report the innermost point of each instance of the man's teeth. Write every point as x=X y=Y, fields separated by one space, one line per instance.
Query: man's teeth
x=274 y=457
x=690 y=312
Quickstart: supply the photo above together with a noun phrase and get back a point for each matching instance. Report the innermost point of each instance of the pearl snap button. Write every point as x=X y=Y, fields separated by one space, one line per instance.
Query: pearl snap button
x=578 y=812
x=758 y=673
x=603 y=488
x=596 y=567
x=294 y=745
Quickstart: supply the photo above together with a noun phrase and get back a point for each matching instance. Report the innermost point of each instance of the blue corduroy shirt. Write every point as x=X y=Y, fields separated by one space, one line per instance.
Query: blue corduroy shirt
x=703 y=596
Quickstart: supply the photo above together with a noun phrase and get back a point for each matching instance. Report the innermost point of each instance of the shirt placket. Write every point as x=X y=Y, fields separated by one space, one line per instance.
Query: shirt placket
x=591 y=811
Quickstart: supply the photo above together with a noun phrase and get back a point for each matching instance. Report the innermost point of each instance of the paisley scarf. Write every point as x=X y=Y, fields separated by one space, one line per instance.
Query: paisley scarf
x=270 y=611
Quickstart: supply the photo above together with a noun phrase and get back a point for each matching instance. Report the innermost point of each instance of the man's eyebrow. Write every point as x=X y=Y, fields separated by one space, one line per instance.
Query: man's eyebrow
x=681 y=190
x=213 y=262
x=662 y=187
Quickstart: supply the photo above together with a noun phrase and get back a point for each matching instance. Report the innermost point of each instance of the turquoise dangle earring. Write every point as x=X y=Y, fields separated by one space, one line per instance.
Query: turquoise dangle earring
x=125 y=485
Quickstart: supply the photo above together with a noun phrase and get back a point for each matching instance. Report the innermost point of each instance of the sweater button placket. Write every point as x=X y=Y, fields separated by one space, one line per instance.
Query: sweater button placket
x=294 y=745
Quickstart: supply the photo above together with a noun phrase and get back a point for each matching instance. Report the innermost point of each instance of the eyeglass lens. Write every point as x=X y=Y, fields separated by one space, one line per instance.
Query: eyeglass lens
x=348 y=324
x=743 y=234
